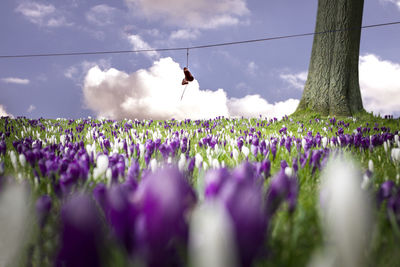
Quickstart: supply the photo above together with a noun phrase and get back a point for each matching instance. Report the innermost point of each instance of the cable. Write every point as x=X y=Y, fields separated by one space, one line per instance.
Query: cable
x=193 y=47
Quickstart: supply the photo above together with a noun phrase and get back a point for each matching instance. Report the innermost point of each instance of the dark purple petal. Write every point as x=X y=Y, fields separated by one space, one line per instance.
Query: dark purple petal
x=243 y=200
x=214 y=179
x=81 y=233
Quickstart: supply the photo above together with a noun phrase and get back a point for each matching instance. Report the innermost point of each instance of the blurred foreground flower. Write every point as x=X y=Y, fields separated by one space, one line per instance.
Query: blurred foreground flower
x=211 y=240
x=346 y=215
x=81 y=233
x=14 y=223
x=164 y=200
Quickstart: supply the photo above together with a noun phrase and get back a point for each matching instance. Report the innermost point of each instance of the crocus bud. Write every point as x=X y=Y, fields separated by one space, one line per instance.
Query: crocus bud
x=371 y=165
x=22 y=160
x=395 y=153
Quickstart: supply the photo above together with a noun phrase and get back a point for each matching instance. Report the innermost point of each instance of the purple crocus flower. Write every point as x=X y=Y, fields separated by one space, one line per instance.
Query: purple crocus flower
x=288 y=144
x=164 y=200
x=106 y=144
x=281 y=188
x=3 y=147
x=246 y=171
x=43 y=206
x=99 y=194
x=191 y=164
x=284 y=164
x=81 y=233
x=295 y=164
x=240 y=143
x=273 y=150
x=121 y=214
x=292 y=195
x=266 y=168
x=243 y=200
x=386 y=190
x=214 y=179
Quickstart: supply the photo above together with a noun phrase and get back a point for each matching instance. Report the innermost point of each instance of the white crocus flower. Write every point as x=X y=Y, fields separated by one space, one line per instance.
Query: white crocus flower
x=235 y=154
x=395 y=153
x=345 y=212
x=303 y=143
x=153 y=165
x=13 y=159
x=22 y=160
x=371 y=165
x=289 y=171
x=102 y=163
x=198 y=160
x=109 y=176
x=324 y=141
x=215 y=164
x=245 y=151
x=211 y=237
x=182 y=162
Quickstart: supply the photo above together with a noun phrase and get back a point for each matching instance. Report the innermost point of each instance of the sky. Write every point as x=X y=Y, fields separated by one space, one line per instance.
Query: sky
x=250 y=80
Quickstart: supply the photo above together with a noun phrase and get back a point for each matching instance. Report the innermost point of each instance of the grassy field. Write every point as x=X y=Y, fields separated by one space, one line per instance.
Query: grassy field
x=111 y=174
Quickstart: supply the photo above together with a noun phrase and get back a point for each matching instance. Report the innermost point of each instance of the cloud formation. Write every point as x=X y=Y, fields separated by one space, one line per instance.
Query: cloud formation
x=138 y=44
x=184 y=34
x=3 y=112
x=200 y=14
x=16 y=80
x=101 y=15
x=295 y=80
x=155 y=93
x=42 y=14
x=380 y=85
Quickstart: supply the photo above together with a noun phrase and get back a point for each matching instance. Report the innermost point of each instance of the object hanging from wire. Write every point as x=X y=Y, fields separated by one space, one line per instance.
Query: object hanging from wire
x=188 y=76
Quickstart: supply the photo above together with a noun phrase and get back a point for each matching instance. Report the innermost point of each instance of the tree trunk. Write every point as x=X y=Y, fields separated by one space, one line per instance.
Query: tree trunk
x=332 y=85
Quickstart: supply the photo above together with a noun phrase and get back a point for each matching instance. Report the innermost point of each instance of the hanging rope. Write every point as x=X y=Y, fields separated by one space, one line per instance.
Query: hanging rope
x=187 y=66
x=187 y=57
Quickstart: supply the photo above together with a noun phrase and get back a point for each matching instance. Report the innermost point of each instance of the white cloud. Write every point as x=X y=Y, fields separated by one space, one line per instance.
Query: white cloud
x=31 y=108
x=138 y=44
x=101 y=15
x=184 y=34
x=253 y=105
x=380 y=84
x=3 y=112
x=15 y=80
x=295 y=80
x=42 y=14
x=200 y=14
x=156 y=92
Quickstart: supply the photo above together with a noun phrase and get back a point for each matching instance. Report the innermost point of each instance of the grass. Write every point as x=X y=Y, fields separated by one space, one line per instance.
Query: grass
x=292 y=238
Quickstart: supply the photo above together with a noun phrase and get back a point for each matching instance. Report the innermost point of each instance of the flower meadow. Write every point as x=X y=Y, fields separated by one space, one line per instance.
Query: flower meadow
x=300 y=191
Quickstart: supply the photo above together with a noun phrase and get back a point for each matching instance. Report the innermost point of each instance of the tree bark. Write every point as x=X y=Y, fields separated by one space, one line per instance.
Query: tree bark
x=332 y=85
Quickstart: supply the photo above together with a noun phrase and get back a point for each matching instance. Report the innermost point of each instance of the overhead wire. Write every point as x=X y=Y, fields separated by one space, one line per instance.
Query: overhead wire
x=194 y=47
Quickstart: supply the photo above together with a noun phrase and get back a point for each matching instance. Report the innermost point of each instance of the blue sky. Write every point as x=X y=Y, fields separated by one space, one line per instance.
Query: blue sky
x=243 y=80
